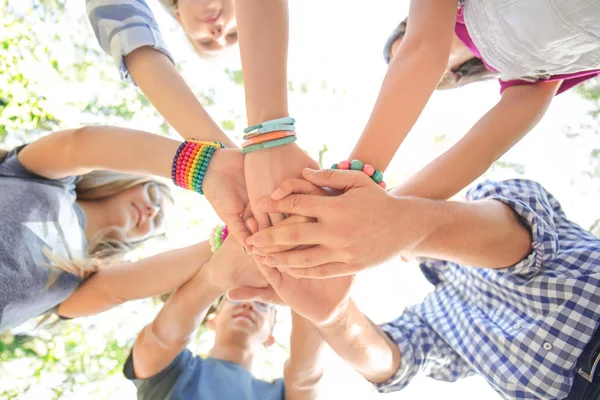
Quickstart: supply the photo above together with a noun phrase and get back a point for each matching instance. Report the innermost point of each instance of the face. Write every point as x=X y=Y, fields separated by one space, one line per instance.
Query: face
x=249 y=321
x=211 y=24
x=138 y=212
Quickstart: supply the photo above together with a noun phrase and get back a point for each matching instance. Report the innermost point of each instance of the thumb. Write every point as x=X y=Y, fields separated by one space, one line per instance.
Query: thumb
x=335 y=179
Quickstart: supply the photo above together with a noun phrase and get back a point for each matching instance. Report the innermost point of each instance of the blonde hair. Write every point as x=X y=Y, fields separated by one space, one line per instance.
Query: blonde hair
x=102 y=250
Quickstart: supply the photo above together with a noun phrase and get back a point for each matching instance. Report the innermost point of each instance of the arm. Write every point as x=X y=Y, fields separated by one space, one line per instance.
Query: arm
x=362 y=344
x=412 y=77
x=485 y=233
x=263 y=33
x=302 y=371
x=159 y=80
x=127 y=30
x=519 y=111
x=160 y=342
x=149 y=277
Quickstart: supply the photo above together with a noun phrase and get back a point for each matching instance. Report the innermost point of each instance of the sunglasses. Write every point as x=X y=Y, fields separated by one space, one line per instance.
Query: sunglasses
x=258 y=305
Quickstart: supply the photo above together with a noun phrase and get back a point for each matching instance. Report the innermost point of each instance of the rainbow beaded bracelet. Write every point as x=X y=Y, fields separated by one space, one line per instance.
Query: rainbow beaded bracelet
x=191 y=162
x=357 y=165
x=217 y=237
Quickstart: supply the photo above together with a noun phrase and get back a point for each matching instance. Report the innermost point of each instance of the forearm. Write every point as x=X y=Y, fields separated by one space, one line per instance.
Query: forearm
x=400 y=102
x=362 y=345
x=79 y=151
x=486 y=142
x=160 y=342
x=162 y=84
x=152 y=276
x=263 y=35
x=302 y=370
x=484 y=233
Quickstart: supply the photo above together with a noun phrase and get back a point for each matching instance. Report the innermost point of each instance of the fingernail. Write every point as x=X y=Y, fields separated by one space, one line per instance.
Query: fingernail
x=277 y=194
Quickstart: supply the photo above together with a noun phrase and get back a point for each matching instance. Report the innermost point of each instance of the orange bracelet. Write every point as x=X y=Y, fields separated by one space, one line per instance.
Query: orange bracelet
x=267 y=137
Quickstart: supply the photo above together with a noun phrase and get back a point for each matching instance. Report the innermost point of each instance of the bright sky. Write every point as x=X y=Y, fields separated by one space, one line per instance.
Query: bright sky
x=336 y=52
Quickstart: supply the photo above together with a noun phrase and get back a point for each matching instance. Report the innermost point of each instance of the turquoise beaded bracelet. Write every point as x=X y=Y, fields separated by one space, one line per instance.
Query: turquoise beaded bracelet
x=357 y=165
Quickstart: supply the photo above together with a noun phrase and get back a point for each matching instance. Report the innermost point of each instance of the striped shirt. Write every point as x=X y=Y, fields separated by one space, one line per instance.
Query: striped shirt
x=522 y=328
x=122 y=26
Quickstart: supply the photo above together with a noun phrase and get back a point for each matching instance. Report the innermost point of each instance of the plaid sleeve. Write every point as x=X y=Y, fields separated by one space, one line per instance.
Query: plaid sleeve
x=122 y=26
x=537 y=210
x=422 y=351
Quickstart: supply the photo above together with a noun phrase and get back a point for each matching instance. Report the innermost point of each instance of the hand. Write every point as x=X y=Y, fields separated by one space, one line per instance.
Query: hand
x=355 y=230
x=319 y=301
x=225 y=188
x=231 y=267
x=266 y=169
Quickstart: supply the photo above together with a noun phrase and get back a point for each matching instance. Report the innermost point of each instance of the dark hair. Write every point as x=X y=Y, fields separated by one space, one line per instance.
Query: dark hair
x=473 y=70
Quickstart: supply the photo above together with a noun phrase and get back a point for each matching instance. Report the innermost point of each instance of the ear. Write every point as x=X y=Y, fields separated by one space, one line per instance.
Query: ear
x=269 y=342
x=178 y=16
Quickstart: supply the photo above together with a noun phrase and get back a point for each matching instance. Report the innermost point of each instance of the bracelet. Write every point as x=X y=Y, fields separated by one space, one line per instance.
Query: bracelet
x=217 y=236
x=267 y=137
x=278 y=121
x=357 y=165
x=191 y=162
x=270 y=144
x=269 y=129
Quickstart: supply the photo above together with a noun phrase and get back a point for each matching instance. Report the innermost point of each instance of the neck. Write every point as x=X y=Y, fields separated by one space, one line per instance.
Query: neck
x=93 y=211
x=237 y=353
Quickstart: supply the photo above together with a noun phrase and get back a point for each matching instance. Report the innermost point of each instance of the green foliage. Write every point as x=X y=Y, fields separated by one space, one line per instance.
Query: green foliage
x=236 y=76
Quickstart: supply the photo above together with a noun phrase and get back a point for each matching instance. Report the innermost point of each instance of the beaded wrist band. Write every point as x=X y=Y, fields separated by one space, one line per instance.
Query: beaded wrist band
x=357 y=165
x=191 y=162
x=217 y=237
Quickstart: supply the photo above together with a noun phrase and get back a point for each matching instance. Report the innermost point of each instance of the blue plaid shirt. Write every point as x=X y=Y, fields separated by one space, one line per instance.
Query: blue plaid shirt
x=522 y=328
x=122 y=26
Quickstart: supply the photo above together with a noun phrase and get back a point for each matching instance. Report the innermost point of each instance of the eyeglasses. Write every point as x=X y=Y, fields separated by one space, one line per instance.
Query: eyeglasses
x=259 y=305
x=155 y=196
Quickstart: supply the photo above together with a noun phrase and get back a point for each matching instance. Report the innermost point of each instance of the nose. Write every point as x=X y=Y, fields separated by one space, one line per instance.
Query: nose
x=152 y=210
x=247 y=305
x=216 y=31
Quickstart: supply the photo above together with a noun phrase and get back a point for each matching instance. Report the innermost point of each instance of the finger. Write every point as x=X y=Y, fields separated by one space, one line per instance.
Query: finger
x=239 y=230
x=289 y=235
x=276 y=218
x=262 y=219
x=301 y=204
x=304 y=258
x=335 y=178
x=294 y=219
x=295 y=186
x=252 y=225
x=326 y=271
x=266 y=295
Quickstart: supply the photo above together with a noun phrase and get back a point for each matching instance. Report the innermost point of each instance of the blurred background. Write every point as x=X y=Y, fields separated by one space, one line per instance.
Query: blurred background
x=54 y=75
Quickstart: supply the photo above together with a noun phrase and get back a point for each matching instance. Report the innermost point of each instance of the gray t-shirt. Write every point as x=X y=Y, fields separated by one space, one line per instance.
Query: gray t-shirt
x=36 y=214
x=191 y=377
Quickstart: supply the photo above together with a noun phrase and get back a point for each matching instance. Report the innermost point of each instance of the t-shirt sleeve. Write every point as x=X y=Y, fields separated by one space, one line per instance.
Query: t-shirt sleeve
x=422 y=351
x=537 y=210
x=11 y=167
x=122 y=26
x=159 y=386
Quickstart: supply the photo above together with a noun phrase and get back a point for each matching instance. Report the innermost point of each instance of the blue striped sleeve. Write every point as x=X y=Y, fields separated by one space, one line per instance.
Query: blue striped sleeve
x=122 y=26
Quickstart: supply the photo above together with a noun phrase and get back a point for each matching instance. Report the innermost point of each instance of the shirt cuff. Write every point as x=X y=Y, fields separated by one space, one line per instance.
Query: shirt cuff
x=405 y=372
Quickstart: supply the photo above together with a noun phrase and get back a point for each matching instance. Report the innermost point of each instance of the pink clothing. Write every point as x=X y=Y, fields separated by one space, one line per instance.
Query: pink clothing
x=570 y=80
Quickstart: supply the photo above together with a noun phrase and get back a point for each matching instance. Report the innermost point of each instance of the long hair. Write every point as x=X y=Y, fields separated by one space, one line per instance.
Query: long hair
x=103 y=249
x=473 y=70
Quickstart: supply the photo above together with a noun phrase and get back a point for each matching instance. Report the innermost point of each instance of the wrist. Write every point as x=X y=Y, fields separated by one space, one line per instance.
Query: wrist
x=417 y=221
x=207 y=286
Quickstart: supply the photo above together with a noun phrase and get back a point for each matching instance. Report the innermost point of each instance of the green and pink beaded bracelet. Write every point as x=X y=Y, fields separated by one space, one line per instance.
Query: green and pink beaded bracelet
x=217 y=237
x=357 y=165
